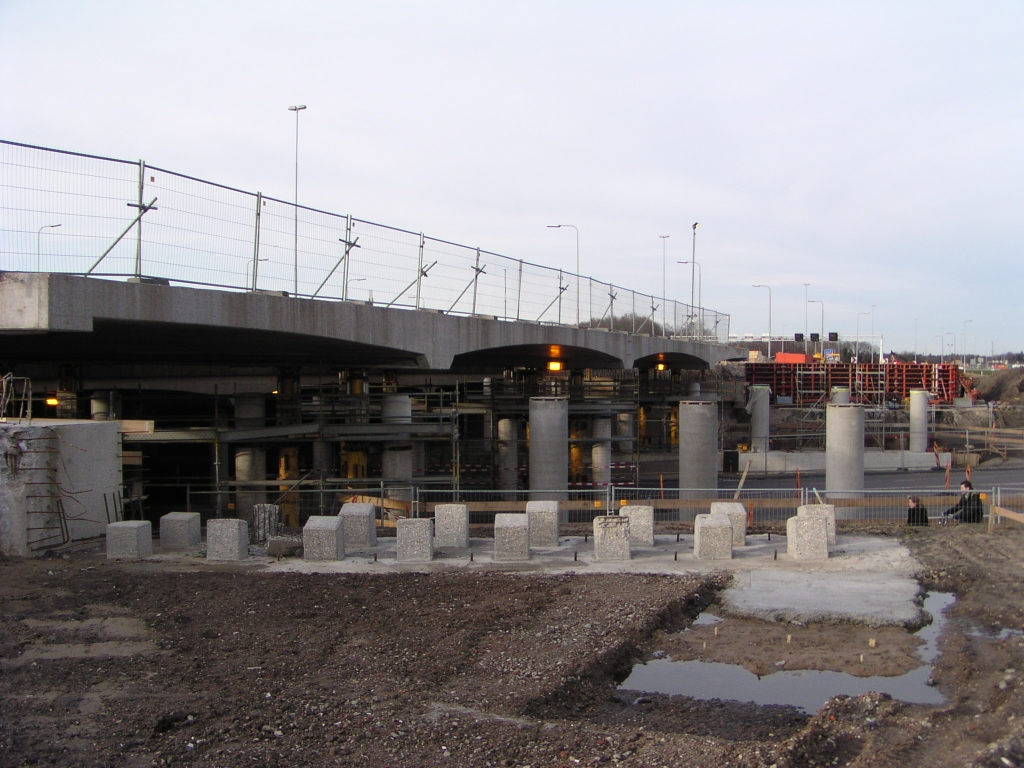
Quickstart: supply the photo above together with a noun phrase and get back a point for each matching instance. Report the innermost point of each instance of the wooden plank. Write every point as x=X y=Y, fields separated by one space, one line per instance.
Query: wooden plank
x=1003 y=512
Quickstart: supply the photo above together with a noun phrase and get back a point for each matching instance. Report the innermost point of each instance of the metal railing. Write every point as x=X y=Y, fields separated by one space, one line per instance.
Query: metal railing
x=75 y=213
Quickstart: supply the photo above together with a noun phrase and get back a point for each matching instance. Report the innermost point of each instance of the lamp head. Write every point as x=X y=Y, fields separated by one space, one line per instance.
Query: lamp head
x=297 y=108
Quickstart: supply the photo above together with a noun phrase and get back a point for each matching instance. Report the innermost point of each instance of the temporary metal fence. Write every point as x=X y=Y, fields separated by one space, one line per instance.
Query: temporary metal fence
x=675 y=505
x=579 y=506
x=75 y=213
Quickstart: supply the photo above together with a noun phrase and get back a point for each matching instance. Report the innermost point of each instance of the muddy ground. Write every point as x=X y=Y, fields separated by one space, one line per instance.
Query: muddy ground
x=137 y=665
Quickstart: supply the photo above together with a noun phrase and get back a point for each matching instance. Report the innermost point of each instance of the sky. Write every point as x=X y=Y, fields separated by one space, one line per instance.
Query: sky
x=872 y=150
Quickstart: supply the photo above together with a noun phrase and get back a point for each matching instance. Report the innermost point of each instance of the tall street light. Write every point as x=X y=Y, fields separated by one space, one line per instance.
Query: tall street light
x=769 y=318
x=857 y=348
x=872 y=345
x=821 y=335
x=693 y=258
x=700 y=295
x=806 y=286
x=575 y=229
x=38 y=236
x=664 y=286
x=296 y=109
x=915 y=339
x=942 y=348
x=963 y=342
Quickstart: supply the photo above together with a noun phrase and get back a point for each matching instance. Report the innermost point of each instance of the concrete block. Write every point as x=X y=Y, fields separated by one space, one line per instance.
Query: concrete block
x=511 y=538
x=712 y=537
x=360 y=524
x=323 y=538
x=825 y=511
x=227 y=539
x=807 y=538
x=737 y=515
x=180 y=530
x=611 y=537
x=451 y=525
x=641 y=525
x=415 y=539
x=543 y=521
x=129 y=540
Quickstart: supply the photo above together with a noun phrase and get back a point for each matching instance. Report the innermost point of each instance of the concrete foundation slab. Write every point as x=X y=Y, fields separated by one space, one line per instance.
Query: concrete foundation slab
x=611 y=537
x=323 y=538
x=511 y=538
x=712 y=537
x=543 y=521
x=737 y=515
x=180 y=530
x=451 y=526
x=641 y=525
x=360 y=525
x=807 y=538
x=415 y=539
x=227 y=539
x=824 y=511
x=129 y=540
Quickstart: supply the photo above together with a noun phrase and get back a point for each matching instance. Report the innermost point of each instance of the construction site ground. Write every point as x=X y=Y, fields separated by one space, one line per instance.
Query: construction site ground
x=168 y=662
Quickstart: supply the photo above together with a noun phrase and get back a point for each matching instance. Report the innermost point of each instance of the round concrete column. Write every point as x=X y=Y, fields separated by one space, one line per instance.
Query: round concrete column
x=250 y=466
x=693 y=389
x=918 y=420
x=759 y=408
x=625 y=429
x=508 y=454
x=840 y=395
x=549 y=446
x=396 y=409
x=601 y=453
x=698 y=444
x=844 y=450
x=398 y=458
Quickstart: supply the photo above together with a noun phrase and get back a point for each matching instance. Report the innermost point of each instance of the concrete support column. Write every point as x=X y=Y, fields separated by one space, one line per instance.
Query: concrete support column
x=625 y=429
x=508 y=454
x=398 y=459
x=601 y=452
x=549 y=446
x=698 y=444
x=844 y=450
x=250 y=460
x=105 y=405
x=759 y=408
x=840 y=395
x=918 y=420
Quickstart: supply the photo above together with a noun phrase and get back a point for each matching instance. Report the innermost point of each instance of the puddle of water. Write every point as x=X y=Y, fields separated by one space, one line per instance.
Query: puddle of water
x=706 y=619
x=1006 y=633
x=807 y=689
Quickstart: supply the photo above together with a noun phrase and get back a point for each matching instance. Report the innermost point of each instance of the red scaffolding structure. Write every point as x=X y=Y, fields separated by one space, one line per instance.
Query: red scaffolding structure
x=810 y=384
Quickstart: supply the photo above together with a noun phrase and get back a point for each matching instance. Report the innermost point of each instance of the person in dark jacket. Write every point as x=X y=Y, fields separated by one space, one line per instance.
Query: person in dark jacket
x=917 y=513
x=968 y=509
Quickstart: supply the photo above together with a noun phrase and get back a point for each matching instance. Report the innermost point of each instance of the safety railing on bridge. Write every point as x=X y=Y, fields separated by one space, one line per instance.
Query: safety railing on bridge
x=84 y=214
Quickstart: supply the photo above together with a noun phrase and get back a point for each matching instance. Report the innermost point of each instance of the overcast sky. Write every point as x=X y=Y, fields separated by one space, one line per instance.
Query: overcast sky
x=873 y=150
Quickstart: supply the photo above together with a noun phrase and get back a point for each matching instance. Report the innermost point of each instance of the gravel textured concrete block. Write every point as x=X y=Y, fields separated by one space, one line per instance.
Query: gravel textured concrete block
x=323 y=538
x=611 y=537
x=641 y=525
x=451 y=525
x=737 y=515
x=360 y=524
x=543 y=519
x=415 y=539
x=129 y=540
x=712 y=537
x=824 y=511
x=807 y=538
x=180 y=530
x=227 y=539
x=511 y=538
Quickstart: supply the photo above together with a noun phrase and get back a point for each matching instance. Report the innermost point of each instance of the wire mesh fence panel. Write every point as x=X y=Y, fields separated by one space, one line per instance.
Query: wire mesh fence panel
x=577 y=506
x=892 y=506
x=1011 y=498
x=675 y=505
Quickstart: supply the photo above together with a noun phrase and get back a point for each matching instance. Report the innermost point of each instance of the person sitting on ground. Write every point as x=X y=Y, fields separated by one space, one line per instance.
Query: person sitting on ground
x=968 y=509
x=917 y=513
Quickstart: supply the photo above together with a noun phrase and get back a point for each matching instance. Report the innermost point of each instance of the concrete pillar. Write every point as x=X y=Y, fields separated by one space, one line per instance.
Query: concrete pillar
x=508 y=454
x=396 y=409
x=918 y=420
x=840 y=395
x=759 y=408
x=601 y=452
x=105 y=405
x=693 y=389
x=250 y=460
x=625 y=429
x=698 y=444
x=398 y=459
x=844 y=450
x=549 y=446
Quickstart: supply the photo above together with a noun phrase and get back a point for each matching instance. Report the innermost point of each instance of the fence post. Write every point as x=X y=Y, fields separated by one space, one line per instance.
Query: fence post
x=256 y=240
x=138 y=232
x=476 y=278
x=419 y=272
x=344 y=273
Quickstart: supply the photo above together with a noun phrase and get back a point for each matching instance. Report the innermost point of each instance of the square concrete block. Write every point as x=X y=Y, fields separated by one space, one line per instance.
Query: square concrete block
x=323 y=538
x=543 y=517
x=611 y=537
x=129 y=540
x=360 y=524
x=737 y=515
x=227 y=539
x=180 y=530
x=824 y=511
x=807 y=538
x=641 y=525
x=415 y=539
x=511 y=538
x=712 y=537
x=451 y=525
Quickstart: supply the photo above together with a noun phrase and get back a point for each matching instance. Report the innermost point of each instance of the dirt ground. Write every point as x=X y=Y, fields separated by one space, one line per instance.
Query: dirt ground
x=138 y=664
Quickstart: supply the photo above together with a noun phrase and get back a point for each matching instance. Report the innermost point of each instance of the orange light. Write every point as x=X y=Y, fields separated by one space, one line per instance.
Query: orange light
x=52 y=401
x=274 y=392
x=661 y=366
x=554 y=365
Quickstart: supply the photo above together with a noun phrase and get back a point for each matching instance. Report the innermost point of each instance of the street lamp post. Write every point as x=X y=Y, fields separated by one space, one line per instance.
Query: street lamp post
x=963 y=342
x=577 y=231
x=700 y=295
x=769 y=318
x=806 y=326
x=942 y=348
x=872 y=345
x=857 y=348
x=693 y=259
x=915 y=339
x=296 y=109
x=38 y=236
x=821 y=335
x=664 y=287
